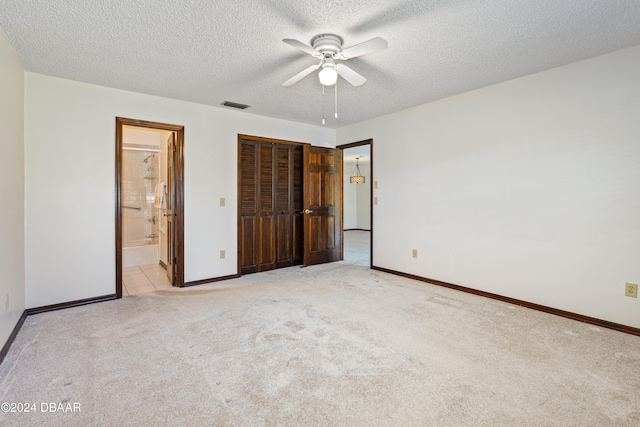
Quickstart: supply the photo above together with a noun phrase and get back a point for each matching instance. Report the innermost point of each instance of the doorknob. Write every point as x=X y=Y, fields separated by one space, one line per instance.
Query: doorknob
x=307 y=211
x=168 y=214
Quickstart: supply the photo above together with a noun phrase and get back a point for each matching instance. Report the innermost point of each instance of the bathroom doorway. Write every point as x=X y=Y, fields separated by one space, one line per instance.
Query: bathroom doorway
x=149 y=206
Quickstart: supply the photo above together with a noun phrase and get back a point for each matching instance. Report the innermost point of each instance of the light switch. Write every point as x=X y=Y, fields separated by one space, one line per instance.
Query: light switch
x=222 y=201
x=375 y=184
x=375 y=200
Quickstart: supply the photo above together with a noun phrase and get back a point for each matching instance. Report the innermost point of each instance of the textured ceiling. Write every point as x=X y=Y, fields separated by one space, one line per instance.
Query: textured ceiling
x=211 y=51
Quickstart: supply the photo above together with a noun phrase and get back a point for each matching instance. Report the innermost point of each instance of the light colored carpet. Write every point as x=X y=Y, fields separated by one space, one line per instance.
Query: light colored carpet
x=335 y=344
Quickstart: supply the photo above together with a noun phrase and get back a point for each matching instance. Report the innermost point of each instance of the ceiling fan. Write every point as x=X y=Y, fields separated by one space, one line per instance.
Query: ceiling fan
x=328 y=49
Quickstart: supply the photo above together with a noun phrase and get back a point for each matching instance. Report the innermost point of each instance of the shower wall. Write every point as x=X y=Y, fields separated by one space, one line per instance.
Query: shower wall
x=140 y=174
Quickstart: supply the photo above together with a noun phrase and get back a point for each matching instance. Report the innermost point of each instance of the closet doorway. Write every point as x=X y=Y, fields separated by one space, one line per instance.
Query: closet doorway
x=149 y=206
x=289 y=204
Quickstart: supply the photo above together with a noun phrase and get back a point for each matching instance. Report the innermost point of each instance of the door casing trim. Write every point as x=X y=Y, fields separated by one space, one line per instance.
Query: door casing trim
x=368 y=142
x=179 y=188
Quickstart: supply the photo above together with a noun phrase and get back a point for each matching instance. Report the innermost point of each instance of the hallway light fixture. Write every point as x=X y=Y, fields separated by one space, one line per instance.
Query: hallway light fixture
x=356 y=175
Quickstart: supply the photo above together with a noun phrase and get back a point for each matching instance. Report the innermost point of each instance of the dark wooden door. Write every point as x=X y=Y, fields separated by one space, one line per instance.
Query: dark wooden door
x=248 y=201
x=247 y=206
x=266 y=222
x=270 y=205
x=288 y=205
x=323 y=205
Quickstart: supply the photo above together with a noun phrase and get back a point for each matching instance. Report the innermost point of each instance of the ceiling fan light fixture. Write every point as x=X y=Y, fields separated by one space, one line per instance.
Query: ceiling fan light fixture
x=328 y=75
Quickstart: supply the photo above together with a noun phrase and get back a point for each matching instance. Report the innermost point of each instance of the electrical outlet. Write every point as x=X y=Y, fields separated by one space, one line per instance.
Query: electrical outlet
x=223 y=254
x=414 y=253
x=222 y=201
x=631 y=290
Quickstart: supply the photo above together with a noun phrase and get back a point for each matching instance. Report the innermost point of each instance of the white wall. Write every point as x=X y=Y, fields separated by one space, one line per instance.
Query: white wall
x=363 y=196
x=12 y=276
x=356 y=198
x=528 y=189
x=349 y=198
x=70 y=222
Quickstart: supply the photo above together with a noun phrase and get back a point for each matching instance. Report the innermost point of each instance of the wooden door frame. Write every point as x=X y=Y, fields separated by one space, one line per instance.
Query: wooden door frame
x=239 y=174
x=368 y=142
x=179 y=188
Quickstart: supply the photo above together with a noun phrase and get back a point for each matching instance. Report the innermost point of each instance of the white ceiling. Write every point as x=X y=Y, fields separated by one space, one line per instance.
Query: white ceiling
x=362 y=153
x=211 y=51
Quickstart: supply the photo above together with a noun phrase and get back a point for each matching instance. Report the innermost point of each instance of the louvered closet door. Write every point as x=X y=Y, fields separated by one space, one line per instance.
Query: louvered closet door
x=288 y=209
x=266 y=230
x=247 y=176
x=298 y=205
x=271 y=199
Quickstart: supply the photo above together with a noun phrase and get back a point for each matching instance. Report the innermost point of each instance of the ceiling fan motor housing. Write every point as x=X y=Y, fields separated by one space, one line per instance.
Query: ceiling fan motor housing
x=327 y=44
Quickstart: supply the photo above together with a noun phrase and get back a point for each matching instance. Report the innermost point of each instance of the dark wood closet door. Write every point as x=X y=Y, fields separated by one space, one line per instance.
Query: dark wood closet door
x=266 y=231
x=298 y=205
x=248 y=189
x=271 y=198
x=288 y=205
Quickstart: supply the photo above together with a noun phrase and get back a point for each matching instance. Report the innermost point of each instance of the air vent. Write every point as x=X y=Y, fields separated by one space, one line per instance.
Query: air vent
x=235 y=105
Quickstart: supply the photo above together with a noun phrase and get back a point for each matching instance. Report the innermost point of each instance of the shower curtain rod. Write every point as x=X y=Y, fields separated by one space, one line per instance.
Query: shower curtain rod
x=141 y=149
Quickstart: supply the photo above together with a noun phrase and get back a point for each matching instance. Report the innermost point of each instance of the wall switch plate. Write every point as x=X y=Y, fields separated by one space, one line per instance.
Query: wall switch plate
x=223 y=254
x=414 y=253
x=222 y=201
x=631 y=290
x=375 y=200
x=375 y=184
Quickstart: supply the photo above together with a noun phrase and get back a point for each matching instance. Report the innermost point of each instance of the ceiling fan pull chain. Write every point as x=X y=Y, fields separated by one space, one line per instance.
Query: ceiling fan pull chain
x=323 y=104
x=336 y=99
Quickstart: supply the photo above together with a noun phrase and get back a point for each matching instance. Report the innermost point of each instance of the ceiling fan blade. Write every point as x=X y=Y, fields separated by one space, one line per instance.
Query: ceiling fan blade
x=303 y=47
x=349 y=75
x=301 y=75
x=364 y=48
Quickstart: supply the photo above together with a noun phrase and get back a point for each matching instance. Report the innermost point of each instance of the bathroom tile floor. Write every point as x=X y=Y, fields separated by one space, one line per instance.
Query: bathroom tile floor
x=143 y=279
